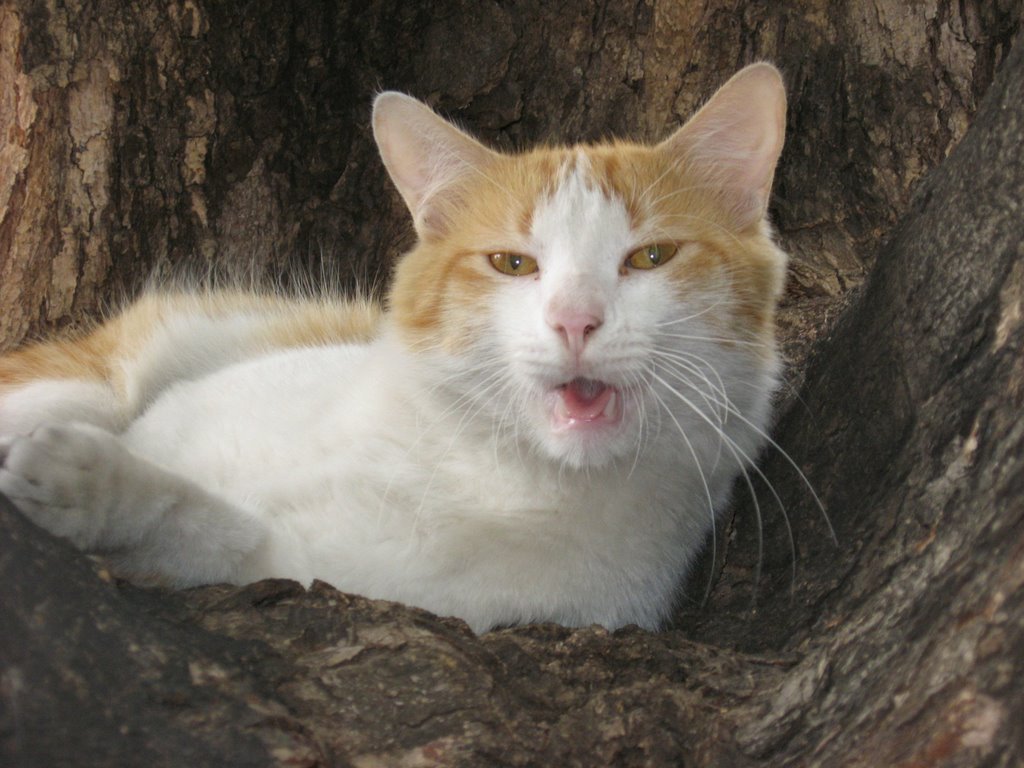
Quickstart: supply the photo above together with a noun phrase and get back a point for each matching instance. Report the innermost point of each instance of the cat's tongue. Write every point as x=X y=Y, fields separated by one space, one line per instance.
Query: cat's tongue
x=586 y=400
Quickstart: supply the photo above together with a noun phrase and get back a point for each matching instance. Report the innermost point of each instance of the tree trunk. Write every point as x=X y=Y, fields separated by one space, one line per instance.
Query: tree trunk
x=157 y=136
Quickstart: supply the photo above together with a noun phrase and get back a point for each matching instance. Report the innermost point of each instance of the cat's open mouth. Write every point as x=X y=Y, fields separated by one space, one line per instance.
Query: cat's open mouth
x=583 y=402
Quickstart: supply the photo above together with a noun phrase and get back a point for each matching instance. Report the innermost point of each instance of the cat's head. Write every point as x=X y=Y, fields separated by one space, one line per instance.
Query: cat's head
x=588 y=293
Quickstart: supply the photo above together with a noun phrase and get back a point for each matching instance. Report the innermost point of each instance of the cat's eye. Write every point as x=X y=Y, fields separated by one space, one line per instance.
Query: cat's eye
x=651 y=256
x=515 y=264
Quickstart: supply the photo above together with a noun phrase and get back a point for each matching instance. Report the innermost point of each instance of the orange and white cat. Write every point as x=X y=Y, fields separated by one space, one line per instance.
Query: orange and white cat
x=574 y=364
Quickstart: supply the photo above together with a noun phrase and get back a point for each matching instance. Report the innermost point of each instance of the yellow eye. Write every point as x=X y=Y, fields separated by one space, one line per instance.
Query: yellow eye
x=651 y=256
x=514 y=264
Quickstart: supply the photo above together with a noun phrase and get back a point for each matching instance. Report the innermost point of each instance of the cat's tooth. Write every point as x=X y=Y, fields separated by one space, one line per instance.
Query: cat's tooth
x=611 y=408
x=561 y=410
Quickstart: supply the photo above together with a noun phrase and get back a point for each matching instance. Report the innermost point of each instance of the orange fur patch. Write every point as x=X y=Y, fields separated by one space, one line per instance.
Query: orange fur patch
x=657 y=191
x=442 y=284
x=280 y=323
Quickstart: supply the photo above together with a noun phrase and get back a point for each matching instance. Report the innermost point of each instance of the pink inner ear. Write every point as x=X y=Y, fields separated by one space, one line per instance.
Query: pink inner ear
x=425 y=156
x=735 y=140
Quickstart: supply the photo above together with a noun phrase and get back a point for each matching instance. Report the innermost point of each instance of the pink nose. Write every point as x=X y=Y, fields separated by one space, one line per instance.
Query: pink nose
x=575 y=327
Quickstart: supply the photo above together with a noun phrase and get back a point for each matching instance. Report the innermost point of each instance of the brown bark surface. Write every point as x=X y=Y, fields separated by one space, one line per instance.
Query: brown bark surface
x=140 y=137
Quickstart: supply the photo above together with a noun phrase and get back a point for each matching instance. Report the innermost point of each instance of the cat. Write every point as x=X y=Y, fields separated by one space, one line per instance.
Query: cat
x=573 y=365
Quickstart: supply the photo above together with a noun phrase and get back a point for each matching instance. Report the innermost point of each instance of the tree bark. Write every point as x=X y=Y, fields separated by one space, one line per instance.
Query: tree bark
x=154 y=136
x=141 y=136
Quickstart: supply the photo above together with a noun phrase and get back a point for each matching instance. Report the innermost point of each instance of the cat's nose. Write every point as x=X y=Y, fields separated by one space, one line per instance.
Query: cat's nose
x=575 y=328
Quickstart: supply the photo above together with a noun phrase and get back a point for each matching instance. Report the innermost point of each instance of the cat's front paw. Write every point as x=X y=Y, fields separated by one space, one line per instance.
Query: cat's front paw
x=63 y=478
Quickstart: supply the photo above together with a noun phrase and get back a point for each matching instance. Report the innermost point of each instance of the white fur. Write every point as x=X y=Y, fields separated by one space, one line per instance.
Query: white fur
x=56 y=400
x=425 y=476
x=381 y=471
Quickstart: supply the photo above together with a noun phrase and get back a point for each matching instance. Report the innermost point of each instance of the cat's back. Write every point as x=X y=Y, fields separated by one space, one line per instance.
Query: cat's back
x=168 y=337
x=114 y=371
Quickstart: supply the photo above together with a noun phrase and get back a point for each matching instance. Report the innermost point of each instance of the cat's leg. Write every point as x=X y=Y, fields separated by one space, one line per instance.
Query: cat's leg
x=78 y=481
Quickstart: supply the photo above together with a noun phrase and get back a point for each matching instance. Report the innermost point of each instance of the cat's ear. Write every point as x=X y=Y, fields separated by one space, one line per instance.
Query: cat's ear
x=734 y=141
x=426 y=156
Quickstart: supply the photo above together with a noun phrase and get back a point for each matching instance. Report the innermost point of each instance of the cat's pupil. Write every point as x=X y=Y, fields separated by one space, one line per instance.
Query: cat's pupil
x=654 y=254
x=515 y=262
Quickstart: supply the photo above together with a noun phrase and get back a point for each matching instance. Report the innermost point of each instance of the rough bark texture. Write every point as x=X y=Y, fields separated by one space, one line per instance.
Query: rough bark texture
x=140 y=136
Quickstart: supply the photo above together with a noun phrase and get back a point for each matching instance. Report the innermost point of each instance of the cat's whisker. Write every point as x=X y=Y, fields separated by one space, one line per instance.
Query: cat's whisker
x=725 y=341
x=466 y=397
x=796 y=468
x=498 y=428
x=690 y=317
x=489 y=366
x=723 y=439
x=716 y=405
x=746 y=461
x=732 y=410
x=743 y=462
x=704 y=485
x=634 y=386
x=515 y=404
x=696 y=365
